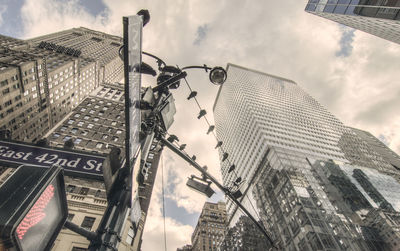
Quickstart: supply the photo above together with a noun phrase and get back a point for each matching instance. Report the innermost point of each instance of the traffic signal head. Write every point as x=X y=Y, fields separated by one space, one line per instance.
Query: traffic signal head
x=34 y=209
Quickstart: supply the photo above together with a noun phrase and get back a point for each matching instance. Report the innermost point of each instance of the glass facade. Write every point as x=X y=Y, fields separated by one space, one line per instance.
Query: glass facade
x=311 y=180
x=377 y=17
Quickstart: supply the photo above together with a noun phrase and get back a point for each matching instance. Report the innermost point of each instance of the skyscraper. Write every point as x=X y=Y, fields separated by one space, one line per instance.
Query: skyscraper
x=210 y=228
x=43 y=78
x=96 y=125
x=244 y=236
x=302 y=173
x=377 y=17
x=387 y=153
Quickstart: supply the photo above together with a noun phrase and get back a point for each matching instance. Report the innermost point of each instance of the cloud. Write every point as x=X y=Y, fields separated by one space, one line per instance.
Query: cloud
x=41 y=17
x=346 y=41
x=177 y=234
x=384 y=140
x=3 y=9
x=201 y=34
x=380 y=109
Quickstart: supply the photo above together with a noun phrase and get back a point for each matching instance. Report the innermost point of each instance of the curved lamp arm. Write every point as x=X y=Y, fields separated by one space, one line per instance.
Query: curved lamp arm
x=160 y=62
x=205 y=67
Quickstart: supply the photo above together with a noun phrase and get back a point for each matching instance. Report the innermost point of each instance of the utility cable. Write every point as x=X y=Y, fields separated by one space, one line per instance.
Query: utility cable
x=222 y=149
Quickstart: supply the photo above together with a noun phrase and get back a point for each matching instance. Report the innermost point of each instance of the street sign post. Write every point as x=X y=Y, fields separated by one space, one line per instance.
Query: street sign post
x=74 y=163
x=133 y=26
x=33 y=208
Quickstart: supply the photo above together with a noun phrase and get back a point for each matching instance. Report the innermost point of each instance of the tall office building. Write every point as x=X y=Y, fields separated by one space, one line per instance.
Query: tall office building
x=58 y=87
x=244 y=236
x=94 y=126
x=302 y=173
x=211 y=227
x=377 y=17
x=44 y=78
x=387 y=153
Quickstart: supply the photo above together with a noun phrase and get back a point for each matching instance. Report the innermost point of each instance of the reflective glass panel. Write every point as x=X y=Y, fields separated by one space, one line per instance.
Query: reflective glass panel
x=329 y=8
x=340 y=9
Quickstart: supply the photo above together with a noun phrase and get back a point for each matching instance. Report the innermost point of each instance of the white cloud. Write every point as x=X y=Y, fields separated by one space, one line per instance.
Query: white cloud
x=3 y=9
x=177 y=234
x=45 y=16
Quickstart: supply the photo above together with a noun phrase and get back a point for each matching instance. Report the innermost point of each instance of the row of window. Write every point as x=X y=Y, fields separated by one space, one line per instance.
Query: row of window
x=84 y=191
x=386 y=13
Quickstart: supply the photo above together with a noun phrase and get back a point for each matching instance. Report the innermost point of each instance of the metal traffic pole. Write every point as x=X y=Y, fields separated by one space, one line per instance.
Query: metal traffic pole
x=120 y=183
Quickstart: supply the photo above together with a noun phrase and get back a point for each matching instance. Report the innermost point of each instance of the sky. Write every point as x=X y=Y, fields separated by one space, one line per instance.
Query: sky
x=353 y=74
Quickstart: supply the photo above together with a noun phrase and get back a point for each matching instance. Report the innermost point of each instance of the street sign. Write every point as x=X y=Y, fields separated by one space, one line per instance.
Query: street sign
x=133 y=26
x=72 y=162
x=33 y=208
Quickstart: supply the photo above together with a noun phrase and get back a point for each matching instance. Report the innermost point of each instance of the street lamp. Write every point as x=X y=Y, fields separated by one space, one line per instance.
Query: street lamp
x=217 y=75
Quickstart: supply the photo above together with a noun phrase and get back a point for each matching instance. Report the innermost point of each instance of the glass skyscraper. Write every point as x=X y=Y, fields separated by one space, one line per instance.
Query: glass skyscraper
x=377 y=17
x=302 y=173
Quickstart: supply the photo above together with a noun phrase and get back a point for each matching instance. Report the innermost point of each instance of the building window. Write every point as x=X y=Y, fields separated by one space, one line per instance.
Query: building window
x=90 y=126
x=3 y=83
x=80 y=123
x=5 y=91
x=77 y=141
x=129 y=237
x=88 y=222
x=84 y=191
x=9 y=102
x=98 y=193
x=70 y=188
x=66 y=138
x=78 y=249
x=99 y=145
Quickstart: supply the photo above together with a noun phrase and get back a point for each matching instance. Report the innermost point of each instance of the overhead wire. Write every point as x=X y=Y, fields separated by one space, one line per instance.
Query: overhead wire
x=222 y=149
